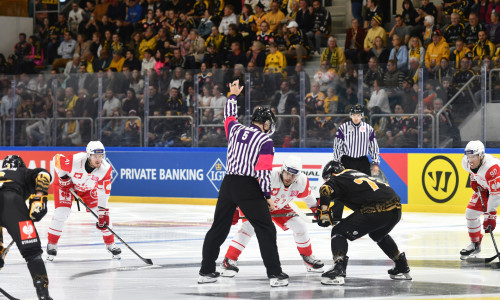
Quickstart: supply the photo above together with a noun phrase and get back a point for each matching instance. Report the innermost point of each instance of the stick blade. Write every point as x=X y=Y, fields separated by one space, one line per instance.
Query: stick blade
x=495 y=265
x=148 y=261
x=475 y=260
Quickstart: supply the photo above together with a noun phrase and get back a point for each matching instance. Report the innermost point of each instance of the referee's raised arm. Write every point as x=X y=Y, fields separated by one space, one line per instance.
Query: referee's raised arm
x=247 y=185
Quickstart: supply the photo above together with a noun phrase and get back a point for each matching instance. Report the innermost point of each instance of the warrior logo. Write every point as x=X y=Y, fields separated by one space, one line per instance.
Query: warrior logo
x=216 y=174
x=440 y=179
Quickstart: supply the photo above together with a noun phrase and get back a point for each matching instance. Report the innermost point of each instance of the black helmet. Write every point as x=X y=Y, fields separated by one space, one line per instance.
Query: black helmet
x=332 y=167
x=265 y=116
x=13 y=162
x=357 y=109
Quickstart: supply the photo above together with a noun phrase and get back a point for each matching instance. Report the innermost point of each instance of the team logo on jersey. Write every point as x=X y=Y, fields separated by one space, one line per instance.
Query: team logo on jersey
x=275 y=191
x=440 y=179
x=494 y=185
x=27 y=230
x=216 y=173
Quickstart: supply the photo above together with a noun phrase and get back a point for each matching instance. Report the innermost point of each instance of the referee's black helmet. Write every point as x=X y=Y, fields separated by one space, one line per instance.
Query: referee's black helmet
x=332 y=167
x=265 y=116
x=357 y=109
x=13 y=162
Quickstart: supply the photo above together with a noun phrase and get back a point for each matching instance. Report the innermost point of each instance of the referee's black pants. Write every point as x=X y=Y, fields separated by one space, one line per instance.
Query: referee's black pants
x=243 y=192
x=361 y=164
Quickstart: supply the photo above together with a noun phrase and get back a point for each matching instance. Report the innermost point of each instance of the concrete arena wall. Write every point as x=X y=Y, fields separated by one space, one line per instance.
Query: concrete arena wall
x=427 y=180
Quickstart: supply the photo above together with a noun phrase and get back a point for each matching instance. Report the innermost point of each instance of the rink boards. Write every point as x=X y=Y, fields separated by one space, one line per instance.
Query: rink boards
x=427 y=180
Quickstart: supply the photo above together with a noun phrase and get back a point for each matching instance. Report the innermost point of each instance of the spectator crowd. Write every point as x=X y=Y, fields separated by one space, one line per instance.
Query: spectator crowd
x=165 y=45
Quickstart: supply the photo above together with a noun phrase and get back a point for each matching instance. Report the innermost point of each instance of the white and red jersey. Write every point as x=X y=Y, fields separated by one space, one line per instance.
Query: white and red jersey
x=488 y=178
x=97 y=183
x=299 y=189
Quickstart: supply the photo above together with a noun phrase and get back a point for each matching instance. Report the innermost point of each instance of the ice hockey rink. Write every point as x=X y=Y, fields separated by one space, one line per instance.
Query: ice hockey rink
x=172 y=236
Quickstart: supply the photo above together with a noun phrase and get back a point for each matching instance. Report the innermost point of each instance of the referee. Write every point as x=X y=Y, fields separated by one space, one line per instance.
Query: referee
x=353 y=141
x=247 y=185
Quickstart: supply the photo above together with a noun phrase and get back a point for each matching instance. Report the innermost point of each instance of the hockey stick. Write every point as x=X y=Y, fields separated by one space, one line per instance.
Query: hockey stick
x=477 y=260
x=301 y=214
x=7 y=249
x=146 y=260
x=8 y=295
x=494 y=265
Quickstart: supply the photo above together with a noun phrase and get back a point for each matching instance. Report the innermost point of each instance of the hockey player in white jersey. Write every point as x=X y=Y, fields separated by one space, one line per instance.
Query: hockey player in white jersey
x=287 y=184
x=89 y=175
x=484 y=172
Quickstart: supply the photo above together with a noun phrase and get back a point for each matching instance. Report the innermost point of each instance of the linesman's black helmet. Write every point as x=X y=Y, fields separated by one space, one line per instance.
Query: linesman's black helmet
x=13 y=162
x=332 y=167
x=357 y=109
x=266 y=117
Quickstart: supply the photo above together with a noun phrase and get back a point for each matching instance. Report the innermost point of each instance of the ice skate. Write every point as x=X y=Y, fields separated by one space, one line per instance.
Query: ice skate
x=208 y=278
x=278 y=280
x=42 y=288
x=51 y=252
x=313 y=264
x=470 y=251
x=113 y=249
x=401 y=271
x=229 y=267
x=336 y=276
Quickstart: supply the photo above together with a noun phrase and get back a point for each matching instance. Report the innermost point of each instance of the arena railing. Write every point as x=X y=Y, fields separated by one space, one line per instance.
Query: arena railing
x=122 y=134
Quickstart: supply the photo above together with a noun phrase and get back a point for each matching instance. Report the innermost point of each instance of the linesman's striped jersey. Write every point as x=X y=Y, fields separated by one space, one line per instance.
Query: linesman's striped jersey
x=250 y=151
x=355 y=141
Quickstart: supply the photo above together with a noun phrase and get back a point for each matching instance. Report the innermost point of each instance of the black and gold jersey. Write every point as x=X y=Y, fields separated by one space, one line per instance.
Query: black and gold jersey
x=356 y=190
x=24 y=181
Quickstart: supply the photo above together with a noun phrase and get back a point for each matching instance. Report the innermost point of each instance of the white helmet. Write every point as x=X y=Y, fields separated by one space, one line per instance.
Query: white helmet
x=292 y=164
x=95 y=147
x=474 y=147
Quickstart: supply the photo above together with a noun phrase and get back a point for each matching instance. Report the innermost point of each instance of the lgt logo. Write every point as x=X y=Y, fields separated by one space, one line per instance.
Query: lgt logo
x=216 y=174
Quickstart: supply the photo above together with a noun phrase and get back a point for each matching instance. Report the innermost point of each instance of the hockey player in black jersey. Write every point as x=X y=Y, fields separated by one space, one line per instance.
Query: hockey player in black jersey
x=376 y=210
x=17 y=184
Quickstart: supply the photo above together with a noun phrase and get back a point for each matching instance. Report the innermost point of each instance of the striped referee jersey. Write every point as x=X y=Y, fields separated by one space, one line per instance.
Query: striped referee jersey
x=355 y=141
x=250 y=151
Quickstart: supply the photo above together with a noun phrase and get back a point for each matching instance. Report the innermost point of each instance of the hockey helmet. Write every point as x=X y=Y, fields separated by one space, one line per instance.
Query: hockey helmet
x=357 y=109
x=332 y=167
x=265 y=116
x=95 y=147
x=474 y=147
x=13 y=162
x=292 y=165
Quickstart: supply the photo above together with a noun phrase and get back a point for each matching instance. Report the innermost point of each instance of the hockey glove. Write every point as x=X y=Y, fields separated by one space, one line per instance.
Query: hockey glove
x=2 y=250
x=103 y=214
x=324 y=218
x=490 y=221
x=236 y=216
x=65 y=184
x=38 y=207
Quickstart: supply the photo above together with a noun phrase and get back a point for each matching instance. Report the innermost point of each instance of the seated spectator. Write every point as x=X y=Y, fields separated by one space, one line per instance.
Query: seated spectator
x=36 y=58
x=174 y=102
x=148 y=42
x=321 y=26
x=75 y=17
x=455 y=30
x=70 y=99
x=462 y=9
x=409 y=14
x=66 y=50
x=393 y=82
x=136 y=82
x=458 y=53
x=435 y=51
x=214 y=39
x=295 y=43
x=314 y=100
x=429 y=94
x=372 y=9
x=494 y=29
x=373 y=73
x=229 y=18
x=447 y=127
x=37 y=133
x=72 y=66
x=196 y=50
x=148 y=62
x=236 y=56
x=257 y=54
x=177 y=79
x=444 y=70
x=414 y=69
x=416 y=50
x=149 y=21
x=331 y=101
x=71 y=135
x=131 y=61
x=409 y=96
x=399 y=53
x=401 y=131
x=206 y=24
x=427 y=30
x=130 y=102
x=113 y=130
x=82 y=44
x=265 y=35
x=274 y=17
x=117 y=61
x=104 y=60
x=375 y=31
x=134 y=13
x=333 y=55
x=275 y=68
x=284 y=99
x=218 y=102
x=326 y=77
x=354 y=41
x=110 y=103
x=131 y=132
x=379 y=97
x=483 y=47
x=177 y=61
x=472 y=29
x=400 y=29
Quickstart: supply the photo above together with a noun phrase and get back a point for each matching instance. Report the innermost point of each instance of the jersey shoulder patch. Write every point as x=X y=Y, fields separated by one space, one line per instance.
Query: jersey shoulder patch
x=63 y=163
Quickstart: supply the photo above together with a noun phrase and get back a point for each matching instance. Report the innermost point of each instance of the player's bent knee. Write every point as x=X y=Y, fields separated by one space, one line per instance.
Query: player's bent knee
x=62 y=213
x=32 y=253
x=344 y=233
x=472 y=214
